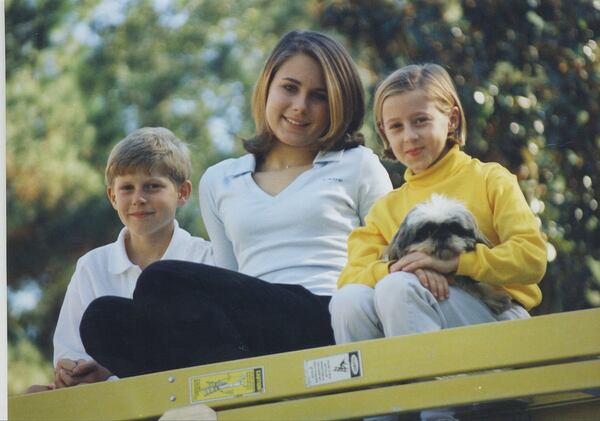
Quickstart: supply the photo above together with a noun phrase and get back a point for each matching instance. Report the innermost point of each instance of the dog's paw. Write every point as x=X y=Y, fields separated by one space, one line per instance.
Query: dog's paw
x=498 y=302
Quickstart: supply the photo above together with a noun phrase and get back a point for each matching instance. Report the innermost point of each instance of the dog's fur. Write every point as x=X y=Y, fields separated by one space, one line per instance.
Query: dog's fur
x=444 y=228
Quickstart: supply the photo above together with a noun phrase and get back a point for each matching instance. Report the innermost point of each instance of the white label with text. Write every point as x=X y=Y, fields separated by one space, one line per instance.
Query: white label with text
x=332 y=369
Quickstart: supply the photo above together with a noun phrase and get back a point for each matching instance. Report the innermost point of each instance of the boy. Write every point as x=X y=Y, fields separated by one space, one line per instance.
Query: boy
x=147 y=178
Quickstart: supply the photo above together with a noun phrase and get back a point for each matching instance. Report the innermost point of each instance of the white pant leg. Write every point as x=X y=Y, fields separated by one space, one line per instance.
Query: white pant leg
x=353 y=316
x=405 y=307
x=400 y=305
x=514 y=312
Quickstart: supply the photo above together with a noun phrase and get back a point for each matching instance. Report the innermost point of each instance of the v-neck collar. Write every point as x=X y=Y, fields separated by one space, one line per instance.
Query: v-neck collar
x=247 y=163
x=246 y=166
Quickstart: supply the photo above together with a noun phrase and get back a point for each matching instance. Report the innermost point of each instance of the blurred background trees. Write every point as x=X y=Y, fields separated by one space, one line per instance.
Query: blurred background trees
x=81 y=75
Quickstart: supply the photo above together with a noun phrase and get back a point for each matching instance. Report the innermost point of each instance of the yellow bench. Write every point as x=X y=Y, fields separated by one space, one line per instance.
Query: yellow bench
x=551 y=363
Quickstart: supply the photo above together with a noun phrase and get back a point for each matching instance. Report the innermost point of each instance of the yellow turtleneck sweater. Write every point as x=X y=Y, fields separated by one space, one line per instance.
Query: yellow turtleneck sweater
x=516 y=263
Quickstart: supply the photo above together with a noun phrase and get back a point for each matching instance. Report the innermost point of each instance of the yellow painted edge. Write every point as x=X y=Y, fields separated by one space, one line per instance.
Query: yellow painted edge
x=485 y=387
x=540 y=340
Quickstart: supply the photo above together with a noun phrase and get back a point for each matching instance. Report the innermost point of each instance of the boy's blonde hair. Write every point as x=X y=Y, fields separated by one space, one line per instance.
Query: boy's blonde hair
x=155 y=150
x=432 y=79
x=345 y=92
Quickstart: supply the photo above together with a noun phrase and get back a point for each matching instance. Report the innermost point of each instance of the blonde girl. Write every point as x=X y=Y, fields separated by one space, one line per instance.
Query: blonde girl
x=421 y=122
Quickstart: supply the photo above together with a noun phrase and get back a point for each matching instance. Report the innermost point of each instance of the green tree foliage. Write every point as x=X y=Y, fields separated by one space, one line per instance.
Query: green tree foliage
x=528 y=75
x=81 y=75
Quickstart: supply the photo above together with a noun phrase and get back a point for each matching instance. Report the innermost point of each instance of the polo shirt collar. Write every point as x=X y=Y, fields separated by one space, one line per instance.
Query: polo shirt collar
x=247 y=163
x=242 y=165
x=119 y=261
x=179 y=243
x=330 y=156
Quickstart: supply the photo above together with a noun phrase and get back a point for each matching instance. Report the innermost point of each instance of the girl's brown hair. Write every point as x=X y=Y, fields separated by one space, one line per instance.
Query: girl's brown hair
x=344 y=91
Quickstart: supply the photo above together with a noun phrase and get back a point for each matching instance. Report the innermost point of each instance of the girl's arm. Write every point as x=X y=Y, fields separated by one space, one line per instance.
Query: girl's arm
x=366 y=245
x=221 y=244
x=520 y=255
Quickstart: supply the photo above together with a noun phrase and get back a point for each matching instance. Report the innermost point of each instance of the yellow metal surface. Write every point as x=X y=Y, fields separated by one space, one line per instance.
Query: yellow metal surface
x=455 y=391
x=543 y=340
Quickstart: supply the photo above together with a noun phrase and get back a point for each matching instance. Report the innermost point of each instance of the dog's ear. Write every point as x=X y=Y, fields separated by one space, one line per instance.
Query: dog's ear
x=400 y=242
x=479 y=236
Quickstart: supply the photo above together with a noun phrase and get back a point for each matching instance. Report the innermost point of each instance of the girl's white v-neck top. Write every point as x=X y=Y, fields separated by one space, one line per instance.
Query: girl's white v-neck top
x=298 y=236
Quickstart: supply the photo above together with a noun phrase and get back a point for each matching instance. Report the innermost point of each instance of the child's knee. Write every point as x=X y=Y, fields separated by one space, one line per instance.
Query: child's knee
x=397 y=288
x=159 y=278
x=96 y=326
x=158 y=270
x=350 y=302
x=353 y=315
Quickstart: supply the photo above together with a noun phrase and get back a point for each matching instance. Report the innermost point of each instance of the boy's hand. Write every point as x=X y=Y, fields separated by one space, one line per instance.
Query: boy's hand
x=62 y=373
x=417 y=260
x=40 y=388
x=71 y=373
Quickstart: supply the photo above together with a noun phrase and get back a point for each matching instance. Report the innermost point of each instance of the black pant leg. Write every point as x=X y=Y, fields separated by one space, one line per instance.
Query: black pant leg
x=268 y=318
x=115 y=335
x=192 y=325
x=191 y=314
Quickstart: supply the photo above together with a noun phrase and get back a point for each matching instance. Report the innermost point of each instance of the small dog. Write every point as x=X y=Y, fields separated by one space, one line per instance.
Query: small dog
x=444 y=228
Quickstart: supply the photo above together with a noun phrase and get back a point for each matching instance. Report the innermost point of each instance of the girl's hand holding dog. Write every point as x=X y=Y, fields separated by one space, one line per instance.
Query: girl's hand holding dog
x=431 y=272
x=417 y=260
x=435 y=282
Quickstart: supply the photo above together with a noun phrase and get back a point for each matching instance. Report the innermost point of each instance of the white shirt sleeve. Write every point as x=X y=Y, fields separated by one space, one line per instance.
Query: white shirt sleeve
x=221 y=245
x=67 y=341
x=373 y=183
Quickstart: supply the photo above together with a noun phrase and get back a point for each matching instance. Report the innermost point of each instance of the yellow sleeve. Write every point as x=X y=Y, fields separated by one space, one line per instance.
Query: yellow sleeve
x=520 y=255
x=366 y=245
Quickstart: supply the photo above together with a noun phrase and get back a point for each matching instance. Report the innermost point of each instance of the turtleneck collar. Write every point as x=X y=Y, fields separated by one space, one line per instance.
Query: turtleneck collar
x=454 y=160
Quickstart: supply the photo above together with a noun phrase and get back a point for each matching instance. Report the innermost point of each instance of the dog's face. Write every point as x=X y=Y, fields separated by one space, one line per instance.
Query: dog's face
x=441 y=227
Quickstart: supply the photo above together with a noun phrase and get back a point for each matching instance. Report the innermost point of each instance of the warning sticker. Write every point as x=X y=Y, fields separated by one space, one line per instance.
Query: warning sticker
x=227 y=384
x=335 y=368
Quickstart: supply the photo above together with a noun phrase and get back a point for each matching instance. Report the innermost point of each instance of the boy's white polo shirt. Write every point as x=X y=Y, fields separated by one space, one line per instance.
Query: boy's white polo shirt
x=107 y=270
